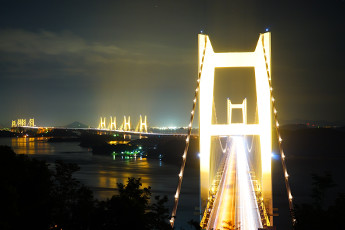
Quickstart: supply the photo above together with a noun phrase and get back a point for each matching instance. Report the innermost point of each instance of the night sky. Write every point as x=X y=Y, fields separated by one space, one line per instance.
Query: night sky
x=64 y=61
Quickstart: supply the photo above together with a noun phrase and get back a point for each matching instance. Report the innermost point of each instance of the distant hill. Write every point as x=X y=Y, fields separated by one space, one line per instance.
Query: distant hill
x=76 y=124
x=293 y=126
x=314 y=123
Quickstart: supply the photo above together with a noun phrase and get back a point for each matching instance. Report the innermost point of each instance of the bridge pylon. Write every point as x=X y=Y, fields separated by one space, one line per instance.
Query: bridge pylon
x=143 y=124
x=126 y=123
x=259 y=59
x=102 y=123
x=21 y=122
x=31 y=122
x=112 y=124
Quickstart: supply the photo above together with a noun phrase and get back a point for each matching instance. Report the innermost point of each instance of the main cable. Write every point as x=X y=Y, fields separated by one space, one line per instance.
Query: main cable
x=184 y=156
x=286 y=175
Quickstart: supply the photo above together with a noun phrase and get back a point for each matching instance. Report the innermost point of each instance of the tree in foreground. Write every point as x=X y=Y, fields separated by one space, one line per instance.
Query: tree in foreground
x=131 y=209
x=25 y=186
x=321 y=214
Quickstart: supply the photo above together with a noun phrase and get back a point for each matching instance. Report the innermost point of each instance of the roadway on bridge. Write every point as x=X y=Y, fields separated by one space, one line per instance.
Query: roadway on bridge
x=223 y=214
x=235 y=205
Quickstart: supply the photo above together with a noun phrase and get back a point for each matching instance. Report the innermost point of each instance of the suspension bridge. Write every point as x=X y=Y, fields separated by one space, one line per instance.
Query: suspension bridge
x=236 y=180
x=235 y=158
x=125 y=127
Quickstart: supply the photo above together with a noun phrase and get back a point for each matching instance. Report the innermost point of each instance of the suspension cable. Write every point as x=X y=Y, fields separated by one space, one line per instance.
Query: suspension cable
x=184 y=156
x=220 y=142
x=286 y=175
x=251 y=145
x=255 y=121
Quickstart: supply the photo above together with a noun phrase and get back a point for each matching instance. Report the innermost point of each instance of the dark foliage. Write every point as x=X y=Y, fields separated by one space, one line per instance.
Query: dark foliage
x=195 y=224
x=4 y=133
x=73 y=203
x=317 y=215
x=131 y=209
x=91 y=140
x=25 y=186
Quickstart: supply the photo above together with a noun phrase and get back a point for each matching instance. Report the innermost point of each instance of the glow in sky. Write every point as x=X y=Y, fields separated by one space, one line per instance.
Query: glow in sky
x=62 y=61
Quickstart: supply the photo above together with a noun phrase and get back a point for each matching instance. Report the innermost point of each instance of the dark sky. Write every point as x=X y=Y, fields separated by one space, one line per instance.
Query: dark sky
x=64 y=61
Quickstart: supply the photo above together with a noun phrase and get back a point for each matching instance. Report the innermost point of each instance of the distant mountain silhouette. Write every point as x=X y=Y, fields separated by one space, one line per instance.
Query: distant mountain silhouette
x=313 y=123
x=293 y=126
x=76 y=124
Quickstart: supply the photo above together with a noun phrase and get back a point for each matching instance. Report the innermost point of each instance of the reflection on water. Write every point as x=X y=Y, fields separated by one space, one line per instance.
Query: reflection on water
x=117 y=142
x=106 y=181
x=134 y=167
x=31 y=145
x=100 y=173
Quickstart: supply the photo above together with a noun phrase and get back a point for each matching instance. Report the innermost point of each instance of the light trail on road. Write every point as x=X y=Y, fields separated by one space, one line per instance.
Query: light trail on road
x=248 y=215
x=223 y=213
x=235 y=205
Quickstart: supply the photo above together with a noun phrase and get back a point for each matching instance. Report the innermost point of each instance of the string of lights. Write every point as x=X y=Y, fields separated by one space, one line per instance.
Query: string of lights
x=184 y=156
x=280 y=140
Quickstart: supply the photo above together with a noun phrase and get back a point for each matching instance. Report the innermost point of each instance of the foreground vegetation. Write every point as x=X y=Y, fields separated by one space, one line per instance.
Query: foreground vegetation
x=326 y=210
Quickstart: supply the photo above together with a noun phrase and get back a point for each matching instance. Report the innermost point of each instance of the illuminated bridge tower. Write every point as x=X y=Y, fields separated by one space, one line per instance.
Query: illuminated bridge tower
x=21 y=122
x=126 y=123
x=262 y=129
x=31 y=122
x=143 y=125
x=112 y=125
x=102 y=124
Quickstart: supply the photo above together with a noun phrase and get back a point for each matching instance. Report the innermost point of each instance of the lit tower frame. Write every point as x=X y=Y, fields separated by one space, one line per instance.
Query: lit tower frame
x=21 y=122
x=263 y=128
x=32 y=122
x=242 y=106
x=112 y=124
x=126 y=123
x=143 y=124
x=102 y=124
